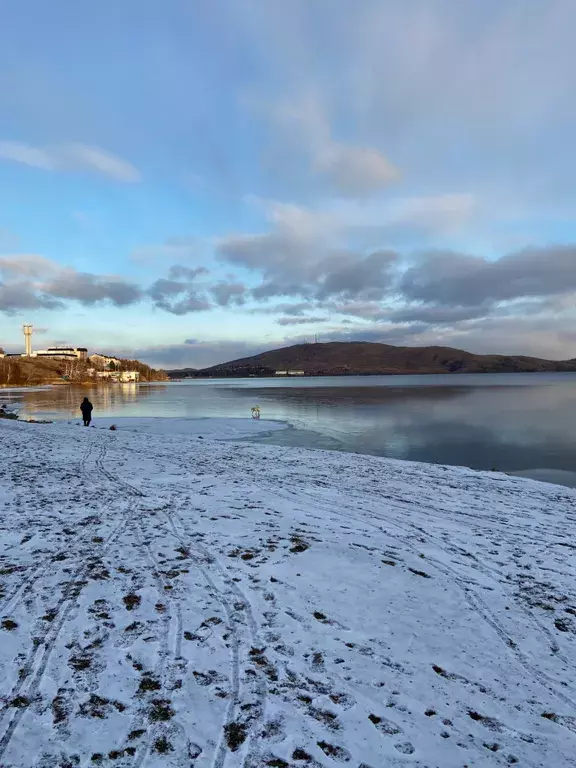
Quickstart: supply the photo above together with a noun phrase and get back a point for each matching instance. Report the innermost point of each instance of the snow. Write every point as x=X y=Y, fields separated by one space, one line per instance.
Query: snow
x=214 y=428
x=170 y=601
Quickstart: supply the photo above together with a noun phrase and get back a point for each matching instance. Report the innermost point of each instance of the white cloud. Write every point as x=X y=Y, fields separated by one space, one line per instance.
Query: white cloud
x=351 y=170
x=18 y=152
x=355 y=171
x=70 y=157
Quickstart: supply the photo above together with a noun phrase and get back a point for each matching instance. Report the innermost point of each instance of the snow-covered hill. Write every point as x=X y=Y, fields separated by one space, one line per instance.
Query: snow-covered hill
x=170 y=601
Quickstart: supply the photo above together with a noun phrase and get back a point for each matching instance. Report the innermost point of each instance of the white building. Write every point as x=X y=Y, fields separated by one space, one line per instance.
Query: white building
x=124 y=377
x=61 y=353
x=104 y=361
x=127 y=376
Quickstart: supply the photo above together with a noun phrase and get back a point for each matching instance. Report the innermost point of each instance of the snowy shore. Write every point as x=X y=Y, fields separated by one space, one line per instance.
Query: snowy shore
x=172 y=601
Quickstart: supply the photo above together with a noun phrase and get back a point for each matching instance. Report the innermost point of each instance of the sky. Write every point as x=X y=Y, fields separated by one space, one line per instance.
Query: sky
x=192 y=181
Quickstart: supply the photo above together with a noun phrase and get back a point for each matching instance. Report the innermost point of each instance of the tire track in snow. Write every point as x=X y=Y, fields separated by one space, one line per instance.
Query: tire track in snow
x=37 y=662
x=236 y=603
x=475 y=602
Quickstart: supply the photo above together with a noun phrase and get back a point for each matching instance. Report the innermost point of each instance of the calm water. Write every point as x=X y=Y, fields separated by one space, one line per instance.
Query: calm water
x=507 y=421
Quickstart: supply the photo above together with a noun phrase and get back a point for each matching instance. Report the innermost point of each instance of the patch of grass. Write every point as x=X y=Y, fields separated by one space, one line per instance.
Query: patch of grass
x=50 y=615
x=235 y=735
x=80 y=662
x=277 y=762
x=439 y=670
x=59 y=711
x=331 y=750
x=320 y=617
x=300 y=754
x=160 y=607
x=133 y=735
x=430 y=712
x=374 y=719
x=550 y=716
x=388 y=562
x=492 y=747
x=20 y=702
x=160 y=710
x=299 y=545
x=98 y=540
x=149 y=683
x=247 y=556
x=132 y=627
x=326 y=717
x=162 y=745
x=97 y=757
x=131 y=601
x=562 y=625
x=9 y=625
x=420 y=573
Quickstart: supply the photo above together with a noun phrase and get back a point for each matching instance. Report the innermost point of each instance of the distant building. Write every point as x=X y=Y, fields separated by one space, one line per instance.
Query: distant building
x=127 y=376
x=61 y=353
x=124 y=377
x=289 y=373
x=106 y=361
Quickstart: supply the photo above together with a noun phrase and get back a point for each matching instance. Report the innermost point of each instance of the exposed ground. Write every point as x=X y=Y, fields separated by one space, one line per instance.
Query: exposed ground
x=170 y=601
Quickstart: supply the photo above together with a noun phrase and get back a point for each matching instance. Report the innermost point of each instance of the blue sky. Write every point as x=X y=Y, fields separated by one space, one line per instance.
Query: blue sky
x=195 y=180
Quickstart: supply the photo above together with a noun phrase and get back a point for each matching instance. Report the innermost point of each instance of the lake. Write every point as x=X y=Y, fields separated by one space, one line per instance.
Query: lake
x=511 y=422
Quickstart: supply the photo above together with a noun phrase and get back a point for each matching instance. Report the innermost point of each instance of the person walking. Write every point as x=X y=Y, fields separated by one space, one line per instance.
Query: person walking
x=86 y=407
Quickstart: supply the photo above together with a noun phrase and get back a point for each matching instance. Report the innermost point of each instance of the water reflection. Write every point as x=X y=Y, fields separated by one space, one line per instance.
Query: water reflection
x=63 y=402
x=510 y=422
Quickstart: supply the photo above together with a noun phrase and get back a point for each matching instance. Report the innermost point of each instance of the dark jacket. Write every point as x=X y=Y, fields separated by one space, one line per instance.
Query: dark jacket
x=86 y=407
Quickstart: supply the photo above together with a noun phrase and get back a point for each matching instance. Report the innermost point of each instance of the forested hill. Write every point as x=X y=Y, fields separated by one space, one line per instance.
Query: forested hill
x=360 y=357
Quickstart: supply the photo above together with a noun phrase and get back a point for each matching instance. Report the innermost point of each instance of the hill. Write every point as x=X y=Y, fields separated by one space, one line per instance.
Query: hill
x=31 y=371
x=367 y=358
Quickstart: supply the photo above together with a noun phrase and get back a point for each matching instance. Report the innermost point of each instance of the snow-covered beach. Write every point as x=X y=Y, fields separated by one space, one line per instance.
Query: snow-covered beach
x=167 y=600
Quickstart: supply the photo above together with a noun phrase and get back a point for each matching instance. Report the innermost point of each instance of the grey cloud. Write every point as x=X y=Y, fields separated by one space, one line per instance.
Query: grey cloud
x=292 y=265
x=27 y=266
x=91 y=289
x=367 y=277
x=163 y=288
x=178 y=272
x=190 y=303
x=229 y=293
x=435 y=315
x=300 y=320
x=461 y=280
x=179 y=296
x=23 y=295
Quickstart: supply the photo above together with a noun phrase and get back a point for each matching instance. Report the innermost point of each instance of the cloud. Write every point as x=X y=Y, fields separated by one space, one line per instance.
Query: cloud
x=350 y=170
x=300 y=320
x=70 y=157
x=355 y=171
x=462 y=280
x=177 y=271
x=368 y=277
x=227 y=293
x=34 y=282
x=91 y=289
x=17 y=296
x=175 y=249
x=304 y=254
x=27 y=265
x=179 y=294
